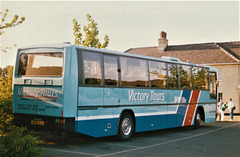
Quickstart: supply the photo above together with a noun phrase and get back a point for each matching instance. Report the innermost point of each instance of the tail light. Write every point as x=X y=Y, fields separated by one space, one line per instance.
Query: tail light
x=60 y=122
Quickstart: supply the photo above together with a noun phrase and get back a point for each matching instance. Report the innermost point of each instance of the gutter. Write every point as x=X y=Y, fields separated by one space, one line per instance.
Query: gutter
x=222 y=63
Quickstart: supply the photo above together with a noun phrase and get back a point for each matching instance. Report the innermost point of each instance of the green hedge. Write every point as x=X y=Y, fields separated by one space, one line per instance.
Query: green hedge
x=14 y=142
x=6 y=116
x=19 y=143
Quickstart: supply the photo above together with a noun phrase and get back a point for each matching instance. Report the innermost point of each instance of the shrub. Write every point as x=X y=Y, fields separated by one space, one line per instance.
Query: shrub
x=6 y=116
x=19 y=143
x=14 y=142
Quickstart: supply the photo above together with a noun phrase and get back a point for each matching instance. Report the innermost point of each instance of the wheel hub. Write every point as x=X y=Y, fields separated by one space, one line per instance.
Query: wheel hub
x=126 y=126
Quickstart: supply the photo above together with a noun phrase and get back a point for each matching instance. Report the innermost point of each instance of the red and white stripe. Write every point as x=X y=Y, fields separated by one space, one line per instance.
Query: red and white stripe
x=191 y=109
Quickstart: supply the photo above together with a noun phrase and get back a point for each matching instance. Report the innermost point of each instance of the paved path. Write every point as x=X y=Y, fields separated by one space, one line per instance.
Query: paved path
x=227 y=118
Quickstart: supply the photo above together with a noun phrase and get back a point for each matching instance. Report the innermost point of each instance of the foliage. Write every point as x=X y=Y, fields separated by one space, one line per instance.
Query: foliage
x=172 y=76
x=13 y=141
x=19 y=143
x=6 y=99
x=158 y=72
x=200 y=77
x=91 y=34
x=5 y=25
x=184 y=73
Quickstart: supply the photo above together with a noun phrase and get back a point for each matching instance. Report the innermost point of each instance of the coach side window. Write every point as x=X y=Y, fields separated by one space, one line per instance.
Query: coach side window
x=134 y=72
x=92 y=68
x=200 y=78
x=184 y=72
x=196 y=78
x=204 y=78
x=110 y=70
x=158 y=74
x=172 y=76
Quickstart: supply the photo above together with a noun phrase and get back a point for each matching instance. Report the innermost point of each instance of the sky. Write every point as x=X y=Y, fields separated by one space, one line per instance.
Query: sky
x=129 y=24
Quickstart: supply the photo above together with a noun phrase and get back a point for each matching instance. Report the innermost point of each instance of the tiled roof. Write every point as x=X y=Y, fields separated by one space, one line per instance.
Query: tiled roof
x=233 y=48
x=205 y=53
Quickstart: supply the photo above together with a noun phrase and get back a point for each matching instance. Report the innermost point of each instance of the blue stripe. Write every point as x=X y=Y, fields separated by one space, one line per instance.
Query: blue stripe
x=97 y=127
x=182 y=108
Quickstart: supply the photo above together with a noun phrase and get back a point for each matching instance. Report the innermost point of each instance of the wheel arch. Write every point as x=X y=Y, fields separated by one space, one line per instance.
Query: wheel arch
x=202 y=113
x=130 y=111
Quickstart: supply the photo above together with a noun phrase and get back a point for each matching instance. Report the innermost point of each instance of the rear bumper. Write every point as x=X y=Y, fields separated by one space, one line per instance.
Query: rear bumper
x=45 y=123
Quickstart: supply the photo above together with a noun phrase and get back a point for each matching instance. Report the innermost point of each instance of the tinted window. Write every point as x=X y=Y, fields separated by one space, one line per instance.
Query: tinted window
x=110 y=70
x=200 y=78
x=184 y=76
x=40 y=64
x=213 y=86
x=92 y=68
x=172 y=76
x=134 y=72
x=158 y=74
x=206 y=78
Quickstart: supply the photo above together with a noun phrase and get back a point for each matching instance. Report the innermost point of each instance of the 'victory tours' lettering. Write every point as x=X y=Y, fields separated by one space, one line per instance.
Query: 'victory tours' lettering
x=37 y=92
x=139 y=96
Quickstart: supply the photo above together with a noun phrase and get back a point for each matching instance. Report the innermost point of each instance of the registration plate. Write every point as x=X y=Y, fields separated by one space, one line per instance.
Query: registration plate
x=37 y=122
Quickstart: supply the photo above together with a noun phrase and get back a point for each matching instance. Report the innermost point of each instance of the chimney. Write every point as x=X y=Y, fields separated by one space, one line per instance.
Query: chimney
x=162 y=41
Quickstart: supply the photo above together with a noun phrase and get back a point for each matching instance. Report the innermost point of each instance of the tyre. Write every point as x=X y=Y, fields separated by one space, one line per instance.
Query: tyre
x=126 y=127
x=197 y=119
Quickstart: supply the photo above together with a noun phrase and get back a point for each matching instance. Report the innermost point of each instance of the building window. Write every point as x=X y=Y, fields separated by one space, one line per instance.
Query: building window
x=220 y=96
x=219 y=75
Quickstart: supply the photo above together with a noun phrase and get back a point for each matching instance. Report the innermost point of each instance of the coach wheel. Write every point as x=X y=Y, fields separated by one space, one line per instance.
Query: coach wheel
x=126 y=127
x=197 y=120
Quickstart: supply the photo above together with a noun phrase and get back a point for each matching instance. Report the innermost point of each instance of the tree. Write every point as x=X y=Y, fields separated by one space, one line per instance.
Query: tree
x=6 y=100
x=172 y=76
x=14 y=141
x=91 y=34
x=5 y=25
